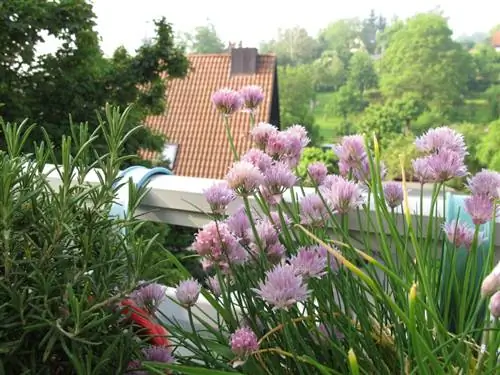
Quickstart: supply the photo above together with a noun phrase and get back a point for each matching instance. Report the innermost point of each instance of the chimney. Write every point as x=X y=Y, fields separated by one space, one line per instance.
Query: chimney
x=243 y=61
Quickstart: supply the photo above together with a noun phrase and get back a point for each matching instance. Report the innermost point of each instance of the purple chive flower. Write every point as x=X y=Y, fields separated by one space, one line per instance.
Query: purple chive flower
x=239 y=223
x=459 y=233
x=309 y=263
x=495 y=305
x=149 y=296
x=187 y=292
x=218 y=196
x=244 y=178
x=446 y=165
x=480 y=208
x=345 y=196
x=282 y=287
x=441 y=139
x=244 y=342
x=276 y=219
x=351 y=150
x=261 y=134
x=313 y=211
x=330 y=180
x=300 y=132
x=258 y=158
x=393 y=193
x=278 y=178
x=268 y=239
x=421 y=170
x=158 y=354
x=214 y=285
x=252 y=96
x=285 y=146
x=227 y=101
x=216 y=242
x=317 y=172
x=135 y=365
x=334 y=266
x=485 y=183
x=491 y=283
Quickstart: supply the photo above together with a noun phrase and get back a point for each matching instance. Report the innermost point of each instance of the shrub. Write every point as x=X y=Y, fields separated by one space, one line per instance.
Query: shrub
x=297 y=290
x=65 y=263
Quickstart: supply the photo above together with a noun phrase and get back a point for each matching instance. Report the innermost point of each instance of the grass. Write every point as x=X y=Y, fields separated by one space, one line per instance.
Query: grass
x=329 y=125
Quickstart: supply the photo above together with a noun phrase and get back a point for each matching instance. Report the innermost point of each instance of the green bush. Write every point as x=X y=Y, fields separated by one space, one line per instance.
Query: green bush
x=400 y=147
x=65 y=263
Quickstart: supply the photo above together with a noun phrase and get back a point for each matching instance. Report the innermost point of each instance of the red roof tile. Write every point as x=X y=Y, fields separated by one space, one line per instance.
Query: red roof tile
x=190 y=120
x=495 y=39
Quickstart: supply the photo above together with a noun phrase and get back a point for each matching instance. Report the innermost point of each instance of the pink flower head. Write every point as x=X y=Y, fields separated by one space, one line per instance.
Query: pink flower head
x=330 y=180
x=266 y=232
x=252 y=96
x=214 y=285
x=278 y=178
x=331 y=260
x=277 y=220
x=158 y=354
x=244 y=342
x=187 y=292
x=491 y=283
x=261 y=134
x=351 y=150
x=393 y=193
x=216 y=242
x=282 y=287
x=345 y=196
x=227 y=101
x=485 y=183
x=421 y=170
x=480 y=208
x=313 y=211
x=441 y=139
x=149 y=296
x=495 y=305
x=218 y=196
x=300 y=132
x=309 y=263
x=459 y=233
x=244 y=178
x=135 y=365
x=317 y=171
x=285 y=146
x=446 y=165
x=258 y=158
x=239 y=223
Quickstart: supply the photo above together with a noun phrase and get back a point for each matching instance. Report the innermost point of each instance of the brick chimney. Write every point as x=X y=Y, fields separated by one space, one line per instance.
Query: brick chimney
x=243 y=61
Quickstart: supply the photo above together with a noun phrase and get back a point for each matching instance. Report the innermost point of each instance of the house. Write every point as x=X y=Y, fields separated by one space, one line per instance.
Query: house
x=197 y=143
x=495 y=41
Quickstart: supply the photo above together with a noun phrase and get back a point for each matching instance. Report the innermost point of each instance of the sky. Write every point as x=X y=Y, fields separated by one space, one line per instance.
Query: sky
x=128 y=22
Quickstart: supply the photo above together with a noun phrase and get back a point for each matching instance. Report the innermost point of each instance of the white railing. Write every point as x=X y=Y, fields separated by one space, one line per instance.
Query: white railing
x=179 y=200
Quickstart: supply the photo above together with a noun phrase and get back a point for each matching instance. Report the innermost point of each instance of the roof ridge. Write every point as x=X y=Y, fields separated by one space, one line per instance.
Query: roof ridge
x=225 y=54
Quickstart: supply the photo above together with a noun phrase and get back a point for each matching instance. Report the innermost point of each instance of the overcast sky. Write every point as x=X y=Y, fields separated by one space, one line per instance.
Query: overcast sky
x=127 y=22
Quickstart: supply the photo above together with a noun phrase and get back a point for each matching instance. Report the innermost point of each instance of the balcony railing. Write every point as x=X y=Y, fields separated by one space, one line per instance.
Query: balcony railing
x=179 y=200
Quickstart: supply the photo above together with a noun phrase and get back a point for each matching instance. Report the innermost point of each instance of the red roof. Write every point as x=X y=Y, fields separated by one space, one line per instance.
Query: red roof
x=495 y=39
x=191 y=121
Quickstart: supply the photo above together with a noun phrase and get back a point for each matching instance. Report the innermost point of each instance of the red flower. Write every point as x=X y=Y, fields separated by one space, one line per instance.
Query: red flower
x=156 y=332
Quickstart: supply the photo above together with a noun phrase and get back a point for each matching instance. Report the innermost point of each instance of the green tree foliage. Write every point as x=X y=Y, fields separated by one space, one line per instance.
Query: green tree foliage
x=473 y=134
x=341 y=37
x=487 y=67
x=78 y=79
x=329 y=72
x=293 y=47
x=362 y=73
x=345 y=101
x=489 y=146
x=297 y=96
x=204 y=39
x=422 y=58
x=399 y=147
x=492 y=96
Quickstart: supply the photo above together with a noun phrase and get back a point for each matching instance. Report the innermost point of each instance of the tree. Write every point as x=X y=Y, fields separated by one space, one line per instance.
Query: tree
x=77 y=79
x=370 y=28
x=492 y=96
x=297 y=96
x=293 y=46
x=422 y=58
x=341 y=37
x=345 y=101
x=204 y=40
x=488 y=149
x=487 y=67
x=329 y=72
x=362 y=73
